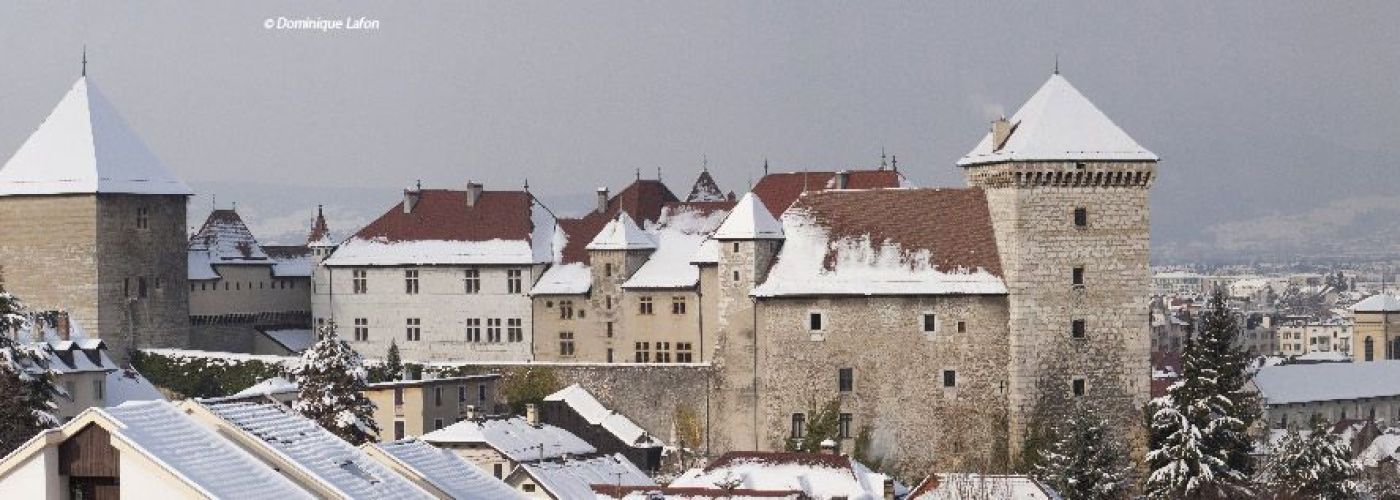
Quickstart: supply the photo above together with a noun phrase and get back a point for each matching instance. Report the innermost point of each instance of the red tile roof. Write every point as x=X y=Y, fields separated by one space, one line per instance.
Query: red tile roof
x=442 y=214
x=779 y=191
x=953 y=225
x=643 y=200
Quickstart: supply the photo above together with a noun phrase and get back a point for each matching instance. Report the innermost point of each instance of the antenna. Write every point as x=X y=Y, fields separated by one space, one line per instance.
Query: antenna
x=658 y=172
x=894 y=162
x=639 y=173
x=765 y=166
x=882 y=158
x=704 y=163
x=527 y=184
x=1057 y=63
x=85 y=60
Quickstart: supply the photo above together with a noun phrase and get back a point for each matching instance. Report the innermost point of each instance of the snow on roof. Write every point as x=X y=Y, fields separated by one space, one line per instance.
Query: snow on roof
x=446 y=471
x=513 y=437
x=887 y=242
x=84 y=146
x=817 y=475
x=270 y=386
x=198 y=266
x=693 y=217
x=1384 y=447
x=749 y=220
x=129 y=385
x=669 y=266
x=78 y=356
x=197 y=454
x=1378 y=303
x=595 y=413
x=622 y=233
x=705 y=189
x=290 y=261
x=708 y=253
x=573 y=477
x=964 y=486
x=564 y=279
x=503 y=227
x=1303 y=383
x=1324 y=356
x=227 y=239
x=1059 y=123
x=318 y=452
x=294 y=339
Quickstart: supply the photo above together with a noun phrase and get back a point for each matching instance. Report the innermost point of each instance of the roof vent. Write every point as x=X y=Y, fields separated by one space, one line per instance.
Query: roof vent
x=473 y=193
x=843 y=179
x=602 y=199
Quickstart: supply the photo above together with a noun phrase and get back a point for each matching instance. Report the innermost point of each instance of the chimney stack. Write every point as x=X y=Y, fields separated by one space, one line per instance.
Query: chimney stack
x=602 y=199
x=471 y=412
x=61 y=324
x=889 y=488
x=410 y=199
x=532 y=415
x=1001 y=130
x=473 y=193
x=843 y=178
x=828 y=446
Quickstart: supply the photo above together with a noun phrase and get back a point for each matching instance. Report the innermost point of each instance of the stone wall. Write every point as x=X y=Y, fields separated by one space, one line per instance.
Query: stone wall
x=48 y=254
x=129 y=255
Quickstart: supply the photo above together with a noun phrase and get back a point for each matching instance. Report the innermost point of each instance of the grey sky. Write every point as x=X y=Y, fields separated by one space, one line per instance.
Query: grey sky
x=1258 y=109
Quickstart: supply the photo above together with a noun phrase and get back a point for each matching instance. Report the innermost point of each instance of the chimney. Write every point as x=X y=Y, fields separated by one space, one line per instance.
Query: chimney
x=843 y=178
x=1001 y=130
x=889 y=488
x=61 y=324
x=471 y=412
x=828 y=446
x=602 y=199
x=410 y=198
x=532 y=415
x=473 y=193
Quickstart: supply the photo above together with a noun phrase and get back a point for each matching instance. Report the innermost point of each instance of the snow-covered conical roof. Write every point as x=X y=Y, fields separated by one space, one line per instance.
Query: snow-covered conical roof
x=1378 y=303
x=749 y=220
x=622 y=233
x=1059 y=123
x=84 y=146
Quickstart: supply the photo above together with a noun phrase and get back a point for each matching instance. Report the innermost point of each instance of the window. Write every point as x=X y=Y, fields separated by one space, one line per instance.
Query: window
x=930 y=322
x=493 y=330
x=414 y=329
x=141 y=287
x=72 y=389
x=471 y=281
x=514 y=331
x=481 y=392
x=799 y=426
x=845 y=379
x=962 y=327
x=1077 y=387
x=437 y=423
x=99 y=389
x=358 y=281
x=643 y=352
x=610 y=329
x=398 y=396
x=473 y=329
x=950 y=378
x=496 y=469
x=843 y=426
x=126 y=287
x=566 y=343
x=513 y=281
x=607 y=269
x=610 y=355
x=677 y=305
x=1077 y=277
x=398 y=430
x=143 y=218
x=608 y=302
x=684 y=353
x=461 y=394
x=361 y=329
x=1076 y=329
x=736 y=275
x=644 y=305
x=815 y=321
x=437 y=396
x=566 y=309
x=1081 y=217
x=1370 y=348
x=410 y=282
x=736 y=247
x=663 y=352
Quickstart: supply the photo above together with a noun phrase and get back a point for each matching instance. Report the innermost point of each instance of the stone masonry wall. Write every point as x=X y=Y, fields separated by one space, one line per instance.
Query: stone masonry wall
x=128 y=255
x=48 y=254
x=735 y=354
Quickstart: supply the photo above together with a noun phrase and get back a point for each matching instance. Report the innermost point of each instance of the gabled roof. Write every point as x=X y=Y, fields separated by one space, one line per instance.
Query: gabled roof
x=887 y=242
x=84 y=146
x=749 y=220
x=445 y=470
x=643 y=200
x=705 y=189
x=622 y=233
x=585 y=405
x=574 y=477
x=564 y=279
x=1059 y=123
x=503 y=227
x=778 y=191
x=1378 y=303
x=669 y=266
x=513 y=437
x=1316 y=382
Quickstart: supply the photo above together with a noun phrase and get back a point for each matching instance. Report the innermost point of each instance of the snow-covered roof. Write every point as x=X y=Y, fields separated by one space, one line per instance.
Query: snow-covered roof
x=446 y=471
x=1378 y=303
x=749 y=220
x=290 y=261
x=669 y=266
x=197 y=454
x=693 y=217
x=319 y=453
x=708 y=253
x=1303 y=383
x=78 y=356
x=573 y=477
x=1059 y=123
x=129 y=385
x=514 y=437
x=1324 y=356
x=502 y=227
x=1383 y=447
x=227 y=239
x=564 y=279
x=622 y=233
x=966 y=486
x=294 y=339
x=887 y=242
x=705 y=189
x=84 y=146
x=270 y=386
x=815 y=474
x=595 y=413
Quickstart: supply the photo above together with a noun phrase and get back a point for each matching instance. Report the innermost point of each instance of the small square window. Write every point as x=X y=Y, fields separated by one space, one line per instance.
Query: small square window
x=1081 y=217
x=816 y=321
x=736 y=275
x=930 y=322
x=950 y=378
x=1077 y=276
x=962 y=327
x=736 y=247
x=1077 y=387
x=1076 y=328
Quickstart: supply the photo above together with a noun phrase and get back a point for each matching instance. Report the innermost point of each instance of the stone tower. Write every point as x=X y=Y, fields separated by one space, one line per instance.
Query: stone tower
x=618 y=250
x=749 y=240
x=1067 y=191
x=94 y=224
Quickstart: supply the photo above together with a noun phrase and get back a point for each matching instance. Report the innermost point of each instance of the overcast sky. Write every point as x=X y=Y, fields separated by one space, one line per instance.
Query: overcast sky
x=1258 y=109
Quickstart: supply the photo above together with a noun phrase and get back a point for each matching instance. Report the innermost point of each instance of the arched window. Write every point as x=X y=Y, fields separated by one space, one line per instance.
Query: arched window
x=1370 y=349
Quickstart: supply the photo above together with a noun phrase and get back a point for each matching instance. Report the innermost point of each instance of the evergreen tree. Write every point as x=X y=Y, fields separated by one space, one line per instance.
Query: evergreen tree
x=392 y=363
x=26 y=383
x=1316 y=465
x=332 y=378
x=1197 y=431
x=823 y=424
x=1084 y=461
x=527 y=385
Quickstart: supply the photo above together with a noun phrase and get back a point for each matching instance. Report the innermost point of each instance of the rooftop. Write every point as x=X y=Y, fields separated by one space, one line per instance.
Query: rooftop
x=1303 y=383
x=778 y=191
x=513 y=437
x=593 y=411
x=818 y=475
x=622 y=233
x=503 y=227
x=1378 y=303
x=749 y=220
x=445 y=470
x=574 y=477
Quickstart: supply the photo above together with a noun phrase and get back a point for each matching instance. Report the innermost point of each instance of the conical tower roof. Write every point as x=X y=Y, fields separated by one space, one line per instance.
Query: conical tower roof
x=1059 y=123
x=84 y=146
x=320 y=234
x=749 y=220
x=705 y=189
x=622 y=233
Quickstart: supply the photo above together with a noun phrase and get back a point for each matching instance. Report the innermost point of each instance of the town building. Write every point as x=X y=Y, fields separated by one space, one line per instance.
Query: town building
x=405 y=408
x=1301 y=336
x=1376 y=334
x=575 y=477
x=94 y=225
x=444 y=274
x=779 y=474
x=500 y=444
x=575 y=410
x=1294 y=394
x=439 y=471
